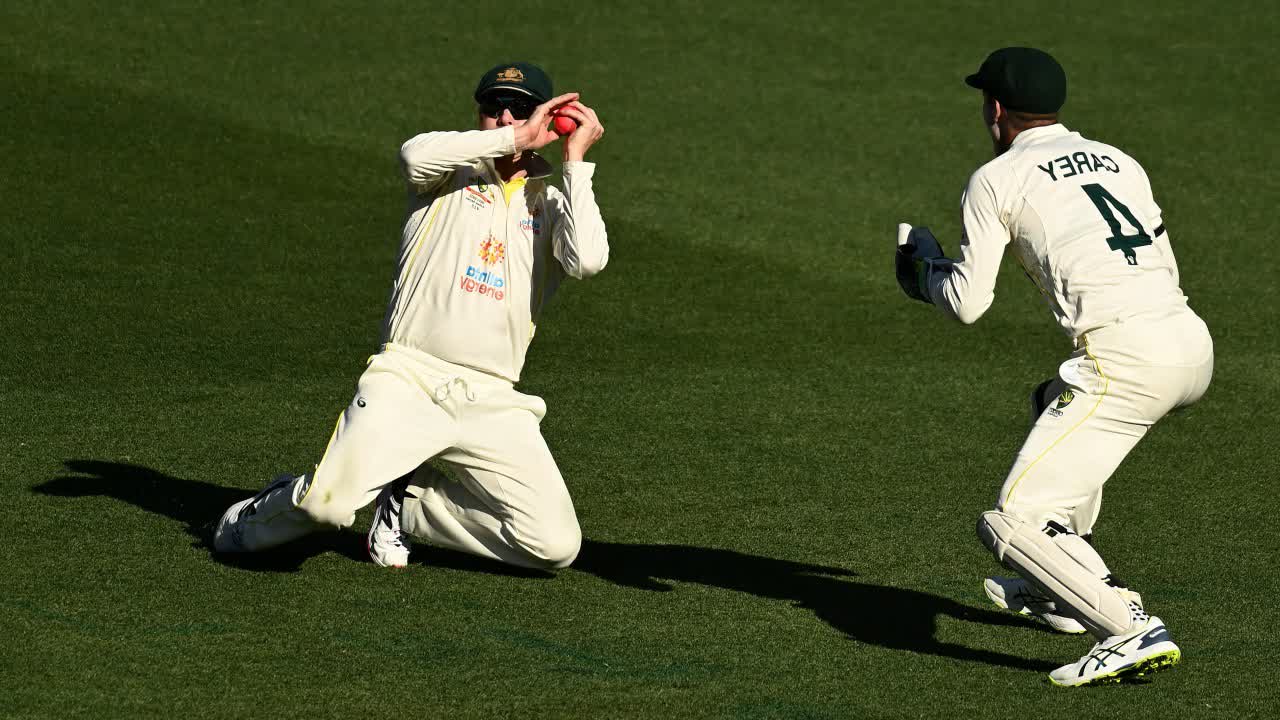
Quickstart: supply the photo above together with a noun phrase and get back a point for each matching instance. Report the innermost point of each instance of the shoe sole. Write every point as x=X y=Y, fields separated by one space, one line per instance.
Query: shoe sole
x=1143 y=667
x=1025 y=612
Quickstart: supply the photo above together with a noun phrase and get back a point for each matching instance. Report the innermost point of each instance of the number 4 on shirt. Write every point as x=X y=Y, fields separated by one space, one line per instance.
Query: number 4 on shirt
x=1104 y=201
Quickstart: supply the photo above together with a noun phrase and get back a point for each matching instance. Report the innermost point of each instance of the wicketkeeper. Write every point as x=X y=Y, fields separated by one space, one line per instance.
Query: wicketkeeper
x=1081 y=219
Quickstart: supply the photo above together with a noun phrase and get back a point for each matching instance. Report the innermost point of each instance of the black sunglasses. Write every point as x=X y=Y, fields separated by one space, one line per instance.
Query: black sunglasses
x=521 y=106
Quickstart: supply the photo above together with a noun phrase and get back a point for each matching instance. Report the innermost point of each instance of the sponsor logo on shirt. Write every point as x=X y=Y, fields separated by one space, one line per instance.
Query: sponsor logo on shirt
x=533 y=223
x=492 y=251
x=481 y=280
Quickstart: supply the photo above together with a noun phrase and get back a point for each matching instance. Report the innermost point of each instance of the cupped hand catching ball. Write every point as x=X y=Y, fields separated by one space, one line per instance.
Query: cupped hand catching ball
x=563 y=124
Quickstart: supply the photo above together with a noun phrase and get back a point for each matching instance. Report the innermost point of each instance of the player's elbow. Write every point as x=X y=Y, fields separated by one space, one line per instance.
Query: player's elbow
x=584 y=266
x=965 y=310
x=415 y=157
x=587 y=268
x=968 y=315
x=410 y=150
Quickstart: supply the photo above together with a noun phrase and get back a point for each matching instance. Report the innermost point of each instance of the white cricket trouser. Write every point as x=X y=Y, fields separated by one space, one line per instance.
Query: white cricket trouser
x=1122 y=379
x=508 y=501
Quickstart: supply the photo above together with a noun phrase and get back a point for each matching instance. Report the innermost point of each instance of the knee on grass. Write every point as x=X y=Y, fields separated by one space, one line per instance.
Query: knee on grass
x=553 y=547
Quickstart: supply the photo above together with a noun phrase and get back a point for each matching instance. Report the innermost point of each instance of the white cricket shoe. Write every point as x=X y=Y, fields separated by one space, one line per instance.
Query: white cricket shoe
x=387 y=545
x=228 y=534
x=1134 y=654
x=1020 y=596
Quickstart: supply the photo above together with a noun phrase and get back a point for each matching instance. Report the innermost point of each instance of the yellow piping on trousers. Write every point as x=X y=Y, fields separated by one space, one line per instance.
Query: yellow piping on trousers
x=1097 y=366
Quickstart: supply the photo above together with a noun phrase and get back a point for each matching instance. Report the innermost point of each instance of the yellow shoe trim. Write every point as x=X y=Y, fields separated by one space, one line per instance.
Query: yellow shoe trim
x=1138 y=669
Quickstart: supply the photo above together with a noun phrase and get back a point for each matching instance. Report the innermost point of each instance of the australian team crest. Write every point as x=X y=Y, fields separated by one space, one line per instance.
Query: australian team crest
x=511 y=74
x=477 y=192
x=1063 y=400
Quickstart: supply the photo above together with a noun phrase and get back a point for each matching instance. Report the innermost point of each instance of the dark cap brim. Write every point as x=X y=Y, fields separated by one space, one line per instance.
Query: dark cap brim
x=517 y=88
x=974 y=81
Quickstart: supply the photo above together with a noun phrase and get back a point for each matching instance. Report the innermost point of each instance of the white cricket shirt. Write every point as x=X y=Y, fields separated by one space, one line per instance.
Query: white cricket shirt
x=479 y=258
x=1082 y=222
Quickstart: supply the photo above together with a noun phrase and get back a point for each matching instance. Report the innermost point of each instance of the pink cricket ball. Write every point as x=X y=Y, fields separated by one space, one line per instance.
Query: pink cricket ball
x=563 y=125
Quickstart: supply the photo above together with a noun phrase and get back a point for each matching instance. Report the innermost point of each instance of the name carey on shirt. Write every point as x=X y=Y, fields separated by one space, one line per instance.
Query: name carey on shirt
x=1078 y=164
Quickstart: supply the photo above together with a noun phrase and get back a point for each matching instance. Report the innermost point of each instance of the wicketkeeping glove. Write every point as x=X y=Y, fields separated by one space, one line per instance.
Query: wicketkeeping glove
x=916 y=253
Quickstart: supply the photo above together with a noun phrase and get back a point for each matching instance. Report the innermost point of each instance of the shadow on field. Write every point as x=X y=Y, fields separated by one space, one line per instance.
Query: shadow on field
x=890 y=617
x=195 y=503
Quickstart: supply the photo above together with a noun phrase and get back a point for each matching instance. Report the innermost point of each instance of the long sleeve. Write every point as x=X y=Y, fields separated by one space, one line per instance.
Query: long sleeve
x=965 y=288
x=1155 y=216
x=580 y=242
x=429 y=157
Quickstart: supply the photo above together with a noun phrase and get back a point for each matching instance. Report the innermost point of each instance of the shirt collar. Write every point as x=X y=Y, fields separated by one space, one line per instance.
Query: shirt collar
x=535 y=166
x=1039 y=133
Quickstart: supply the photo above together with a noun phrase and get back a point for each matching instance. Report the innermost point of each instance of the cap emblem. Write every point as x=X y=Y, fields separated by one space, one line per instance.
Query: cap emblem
x=510 y=75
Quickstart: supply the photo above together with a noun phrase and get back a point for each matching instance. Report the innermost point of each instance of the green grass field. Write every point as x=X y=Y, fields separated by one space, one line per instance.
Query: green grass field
x=201 y=207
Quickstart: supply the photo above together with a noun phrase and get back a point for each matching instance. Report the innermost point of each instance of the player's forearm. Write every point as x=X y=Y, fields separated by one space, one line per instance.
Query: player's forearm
x=581 y=242
x=964 y=288
x=427 y=157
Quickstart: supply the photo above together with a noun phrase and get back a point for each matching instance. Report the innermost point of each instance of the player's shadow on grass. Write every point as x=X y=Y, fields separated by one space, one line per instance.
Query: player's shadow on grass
x=196 y=504
x=889 y=617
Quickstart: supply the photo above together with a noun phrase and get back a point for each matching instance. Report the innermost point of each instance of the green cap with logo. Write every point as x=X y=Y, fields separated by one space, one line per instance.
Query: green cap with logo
x=1023 y=79
x=519 y=76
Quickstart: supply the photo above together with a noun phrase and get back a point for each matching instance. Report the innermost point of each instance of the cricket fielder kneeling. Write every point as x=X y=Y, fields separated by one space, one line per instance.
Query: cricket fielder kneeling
x=485 y=244
x=1080 y=218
